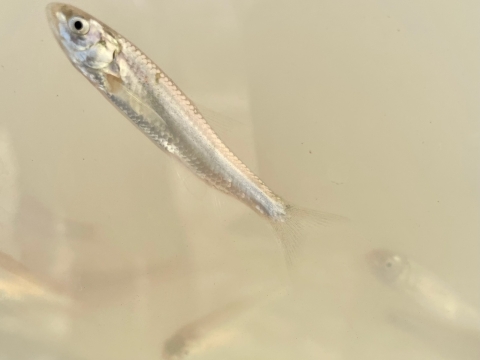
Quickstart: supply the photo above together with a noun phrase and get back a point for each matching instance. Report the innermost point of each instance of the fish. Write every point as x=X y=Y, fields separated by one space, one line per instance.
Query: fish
x=206 y=332
x=146 y=96
x=216 y=328
x=191 y=340
x=18 y=283
x=423 y=287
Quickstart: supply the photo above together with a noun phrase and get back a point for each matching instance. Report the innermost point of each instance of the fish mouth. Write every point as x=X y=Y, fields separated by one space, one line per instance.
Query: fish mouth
x=53 y=10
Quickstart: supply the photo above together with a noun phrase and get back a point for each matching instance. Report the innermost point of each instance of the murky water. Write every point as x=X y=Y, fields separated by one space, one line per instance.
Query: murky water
x=367 y=109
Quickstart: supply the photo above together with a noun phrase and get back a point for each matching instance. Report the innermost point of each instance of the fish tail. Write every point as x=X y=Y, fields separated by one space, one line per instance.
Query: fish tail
x=292 y=229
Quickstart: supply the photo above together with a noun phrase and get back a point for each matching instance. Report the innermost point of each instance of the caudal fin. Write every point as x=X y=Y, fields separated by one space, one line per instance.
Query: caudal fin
x=293 y=229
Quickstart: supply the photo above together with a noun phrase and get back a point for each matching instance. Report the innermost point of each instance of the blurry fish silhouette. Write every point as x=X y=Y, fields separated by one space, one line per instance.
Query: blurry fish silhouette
x=41 y=310
x=88 y=289
x=52 y=276
x=206 y=332
x=32 y=307
x=19 y=284
x=423 y=287
x=212 y=330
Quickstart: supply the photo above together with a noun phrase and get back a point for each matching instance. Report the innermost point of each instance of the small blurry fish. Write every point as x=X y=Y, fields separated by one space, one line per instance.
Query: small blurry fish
x=142 y=92
x=211 y=330
x=207 y=332
x=416 y=282
x=19 y=284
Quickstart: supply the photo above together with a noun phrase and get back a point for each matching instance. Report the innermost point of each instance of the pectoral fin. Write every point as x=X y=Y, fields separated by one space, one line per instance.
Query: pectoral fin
x=143 y=110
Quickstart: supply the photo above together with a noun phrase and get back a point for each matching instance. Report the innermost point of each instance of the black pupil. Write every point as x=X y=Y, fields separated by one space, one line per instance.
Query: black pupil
x=78 y=25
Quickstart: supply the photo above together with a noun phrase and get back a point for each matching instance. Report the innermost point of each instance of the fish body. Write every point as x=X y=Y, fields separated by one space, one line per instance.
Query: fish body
x=143 y=93
x=426 y=289
x=152 y=102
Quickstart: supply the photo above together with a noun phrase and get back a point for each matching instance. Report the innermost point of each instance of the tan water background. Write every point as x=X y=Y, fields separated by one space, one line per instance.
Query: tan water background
x=366 y=109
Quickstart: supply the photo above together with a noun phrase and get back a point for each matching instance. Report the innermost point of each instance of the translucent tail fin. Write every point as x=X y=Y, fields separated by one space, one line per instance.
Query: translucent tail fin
x=298 y=221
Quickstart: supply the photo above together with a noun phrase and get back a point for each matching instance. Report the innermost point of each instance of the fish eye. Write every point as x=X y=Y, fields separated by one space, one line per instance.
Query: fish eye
x=389 y=264
x=79 y=25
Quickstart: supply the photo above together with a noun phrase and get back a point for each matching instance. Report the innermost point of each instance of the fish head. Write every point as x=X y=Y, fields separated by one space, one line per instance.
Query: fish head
x=386 y=265
x=88 y=43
